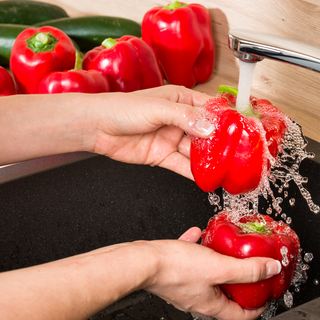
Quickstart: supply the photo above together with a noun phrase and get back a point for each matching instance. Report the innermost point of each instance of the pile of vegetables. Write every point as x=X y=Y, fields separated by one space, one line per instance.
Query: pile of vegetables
x=49 y=52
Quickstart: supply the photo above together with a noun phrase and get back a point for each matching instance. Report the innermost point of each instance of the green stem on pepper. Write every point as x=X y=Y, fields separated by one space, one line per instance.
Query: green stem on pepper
x=175 y=5
x=254 y=227
x=42 y=42
x=109 y=43
x=245 y=110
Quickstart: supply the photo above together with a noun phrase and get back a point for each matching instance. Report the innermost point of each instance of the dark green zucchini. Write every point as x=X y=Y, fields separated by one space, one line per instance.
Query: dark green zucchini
x=28 y=12
x=89 y=31
x=8 y=34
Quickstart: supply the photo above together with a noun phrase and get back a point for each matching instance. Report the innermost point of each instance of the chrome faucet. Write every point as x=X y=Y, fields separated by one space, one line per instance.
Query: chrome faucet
x=253 y=46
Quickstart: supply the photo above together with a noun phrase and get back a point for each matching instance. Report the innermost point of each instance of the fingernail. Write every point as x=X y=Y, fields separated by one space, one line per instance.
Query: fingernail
x=204 y=127
x=273 y=268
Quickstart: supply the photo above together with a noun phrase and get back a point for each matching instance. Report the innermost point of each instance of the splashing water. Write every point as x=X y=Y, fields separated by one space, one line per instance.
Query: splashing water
x=197 y=316
x=281 y=171
x=308 y=257
x=285 y=258
x=270 y=312
x=284 y=169
x=288 y=299
x=287 y=167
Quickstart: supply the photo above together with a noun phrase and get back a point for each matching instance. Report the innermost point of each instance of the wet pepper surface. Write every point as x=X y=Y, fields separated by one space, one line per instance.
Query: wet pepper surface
x=254 y=235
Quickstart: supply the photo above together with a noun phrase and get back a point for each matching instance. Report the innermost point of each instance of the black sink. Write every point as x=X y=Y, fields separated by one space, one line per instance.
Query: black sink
x=97 y=202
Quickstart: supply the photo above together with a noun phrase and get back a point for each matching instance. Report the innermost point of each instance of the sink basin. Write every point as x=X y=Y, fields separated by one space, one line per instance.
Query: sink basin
x=95 y=202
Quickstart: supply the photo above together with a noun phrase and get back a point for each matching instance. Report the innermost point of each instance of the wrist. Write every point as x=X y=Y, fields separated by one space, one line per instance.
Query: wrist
x=150 y=257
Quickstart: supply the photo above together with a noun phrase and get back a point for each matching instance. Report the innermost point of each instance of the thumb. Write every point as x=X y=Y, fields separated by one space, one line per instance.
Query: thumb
x=191 y=235
x=250 y=269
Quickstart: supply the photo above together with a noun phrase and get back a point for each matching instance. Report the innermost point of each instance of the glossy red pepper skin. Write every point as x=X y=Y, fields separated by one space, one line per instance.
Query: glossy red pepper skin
x=29 y=67
x=130 y=64
x=90 y=81
x=235 y=156
x=225 y=237
x=183 y=43
x=7 y=86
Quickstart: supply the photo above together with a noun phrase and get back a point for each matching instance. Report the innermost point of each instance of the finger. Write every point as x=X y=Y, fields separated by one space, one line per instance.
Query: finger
x=229 y=310
x=180 y=107
x=177 y=94
x=178 y=163
x=248 y=270
x=186 y=117
x=191 y=235
x=189 y=96
x=219 y=306
x=184 y=146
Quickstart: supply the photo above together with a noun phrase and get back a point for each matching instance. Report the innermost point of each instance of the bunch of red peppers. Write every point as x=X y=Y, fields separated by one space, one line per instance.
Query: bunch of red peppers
x=43 y=61
x=176 y=46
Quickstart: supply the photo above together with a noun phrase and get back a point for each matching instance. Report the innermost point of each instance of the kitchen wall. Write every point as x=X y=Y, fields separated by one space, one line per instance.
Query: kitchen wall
x=294 y=90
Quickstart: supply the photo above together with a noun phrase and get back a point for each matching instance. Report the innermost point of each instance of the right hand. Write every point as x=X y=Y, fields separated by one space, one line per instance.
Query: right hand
x=189 y=274
x=148 y=126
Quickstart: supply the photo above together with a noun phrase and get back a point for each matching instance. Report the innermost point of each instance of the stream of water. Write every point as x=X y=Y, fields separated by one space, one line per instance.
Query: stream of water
x=246 y=71
x=284 y=169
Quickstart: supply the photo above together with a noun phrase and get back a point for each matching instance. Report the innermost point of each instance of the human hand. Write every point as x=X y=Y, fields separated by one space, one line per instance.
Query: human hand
x=189 y=275
x=147 y=126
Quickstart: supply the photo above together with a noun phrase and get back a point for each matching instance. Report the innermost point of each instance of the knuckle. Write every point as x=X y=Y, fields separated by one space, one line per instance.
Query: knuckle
x=257 y=270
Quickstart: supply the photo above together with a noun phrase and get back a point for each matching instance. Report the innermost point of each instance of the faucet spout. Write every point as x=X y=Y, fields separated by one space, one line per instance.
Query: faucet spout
x=253 y=46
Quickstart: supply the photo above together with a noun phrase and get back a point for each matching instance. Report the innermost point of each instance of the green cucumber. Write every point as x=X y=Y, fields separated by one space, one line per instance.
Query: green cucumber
x=28 y=12
x=89 y=31
x=8 y=35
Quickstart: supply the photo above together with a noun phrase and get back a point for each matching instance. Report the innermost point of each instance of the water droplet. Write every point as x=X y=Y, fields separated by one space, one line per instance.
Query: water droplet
x=214 y=199
x=316 y=282
x=308 y=257
x=314 y=208
x=269 y=210
x=292 y=202
x=284 y=253
x=289 y=220
x=288 y=299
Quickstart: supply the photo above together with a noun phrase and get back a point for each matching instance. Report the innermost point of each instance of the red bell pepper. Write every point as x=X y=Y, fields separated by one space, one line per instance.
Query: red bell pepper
x=254 y=236
x=7 y=86
x=181 y=37
x=129 y=63
x=90 y=81
x=238 y=153
x=37 y=52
